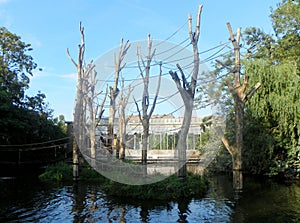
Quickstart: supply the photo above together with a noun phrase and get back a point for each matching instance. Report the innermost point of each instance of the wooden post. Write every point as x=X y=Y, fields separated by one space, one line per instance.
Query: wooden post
x=75 y=162
x=73 y=146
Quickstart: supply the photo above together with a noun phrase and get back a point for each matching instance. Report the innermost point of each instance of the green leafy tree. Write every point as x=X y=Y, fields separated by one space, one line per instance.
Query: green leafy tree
x=275 y=61
x=23 y=119
x=286 y=24
x=271 y=124
x=15 y=68
x=276 y=106
x=282 y=46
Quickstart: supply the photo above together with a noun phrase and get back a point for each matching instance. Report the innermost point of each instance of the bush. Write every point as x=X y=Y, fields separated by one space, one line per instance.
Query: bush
x=170 y=188
x=58 y=172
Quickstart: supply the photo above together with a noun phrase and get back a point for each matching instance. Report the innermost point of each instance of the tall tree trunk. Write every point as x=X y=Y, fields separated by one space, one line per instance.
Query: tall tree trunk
x=78 y=112
x=123 y=120
x=114 y=91
x=182 y=140
x=110 y=131
x=237 y=153
x=144 y=115
x=237 y=91
x=86 y=99
x=145 y=137
x=187 y=93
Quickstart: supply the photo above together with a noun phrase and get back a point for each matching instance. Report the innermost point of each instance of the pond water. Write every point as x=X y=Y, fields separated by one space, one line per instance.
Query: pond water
x=26 y=199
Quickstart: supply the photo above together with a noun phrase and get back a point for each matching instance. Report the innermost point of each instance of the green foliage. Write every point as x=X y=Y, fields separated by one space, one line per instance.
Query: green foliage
x=278 y=100
x=286 y=17
x=258 y=146
x=58 y=172
x=169 y=189
x=23 y=119
x=286 y=23
x=61 y=123
x=259 y=44
x=15 y=66
x=274 y=61
x=276 y=105
x=272 y=120
x=284 y=45
x=23 y=126
x=202 y=141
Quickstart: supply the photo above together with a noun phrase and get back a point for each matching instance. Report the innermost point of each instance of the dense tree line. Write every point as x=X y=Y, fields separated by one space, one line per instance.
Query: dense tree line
x=23 y=119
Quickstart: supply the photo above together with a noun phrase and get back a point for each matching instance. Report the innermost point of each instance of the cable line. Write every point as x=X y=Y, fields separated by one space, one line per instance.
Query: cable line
x=34 y=144
x=173 y=34
x=176 y=45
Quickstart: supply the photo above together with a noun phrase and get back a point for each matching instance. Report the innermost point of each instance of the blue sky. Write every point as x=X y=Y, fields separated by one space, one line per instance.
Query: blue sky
x=51 y=26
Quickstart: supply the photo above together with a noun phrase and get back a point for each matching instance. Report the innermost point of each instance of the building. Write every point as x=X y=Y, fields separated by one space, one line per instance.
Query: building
x=163 y=131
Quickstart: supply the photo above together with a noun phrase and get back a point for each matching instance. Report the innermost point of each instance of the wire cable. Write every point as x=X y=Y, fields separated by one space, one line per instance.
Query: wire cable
x=34 y=144
x=173 y=34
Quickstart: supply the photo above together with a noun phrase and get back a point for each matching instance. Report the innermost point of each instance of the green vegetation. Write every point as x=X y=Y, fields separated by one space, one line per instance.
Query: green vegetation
x=170 y=188
x=58 y=172
x=275 y=108
x=23 y=119
x=272 y=117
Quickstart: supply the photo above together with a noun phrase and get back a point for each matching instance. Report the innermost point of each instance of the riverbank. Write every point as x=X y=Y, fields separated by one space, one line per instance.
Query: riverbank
x=171 y=188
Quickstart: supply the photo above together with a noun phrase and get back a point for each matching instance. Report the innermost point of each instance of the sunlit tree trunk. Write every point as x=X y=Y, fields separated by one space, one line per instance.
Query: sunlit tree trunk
x=85 y=124
x=187 y=92
x=144 y=116
x=114 y=92
x=123 y=120
x=238 y=90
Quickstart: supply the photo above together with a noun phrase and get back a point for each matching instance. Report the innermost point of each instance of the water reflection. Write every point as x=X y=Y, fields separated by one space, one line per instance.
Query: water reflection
x=183 y=210
x=264 y=200
x=28 y=200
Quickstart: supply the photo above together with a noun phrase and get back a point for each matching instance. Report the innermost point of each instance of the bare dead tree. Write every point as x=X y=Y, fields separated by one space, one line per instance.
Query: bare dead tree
x=85 y=124
x=94 y=107
x=144 y=115
x=123 y=120
x=187 y=93
x=114 y=91
x=78 y=111
x=238 y=92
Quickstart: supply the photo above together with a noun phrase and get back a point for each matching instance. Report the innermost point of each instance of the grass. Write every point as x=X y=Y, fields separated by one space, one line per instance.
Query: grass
x=57 y=172
x=171 y=188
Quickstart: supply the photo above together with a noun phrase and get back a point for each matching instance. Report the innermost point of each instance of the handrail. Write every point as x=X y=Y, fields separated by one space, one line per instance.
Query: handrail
x=32 y=148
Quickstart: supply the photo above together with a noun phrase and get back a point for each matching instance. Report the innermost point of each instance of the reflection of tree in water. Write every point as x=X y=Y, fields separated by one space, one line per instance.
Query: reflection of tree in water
x=116 y=212
x=79 y=194
x=123 y=207
x=85 y=203
x=89 y=205
x=144 y=213
x=183 y=210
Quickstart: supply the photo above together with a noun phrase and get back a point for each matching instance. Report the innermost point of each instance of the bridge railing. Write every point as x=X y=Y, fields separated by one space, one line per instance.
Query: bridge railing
x=35 y=153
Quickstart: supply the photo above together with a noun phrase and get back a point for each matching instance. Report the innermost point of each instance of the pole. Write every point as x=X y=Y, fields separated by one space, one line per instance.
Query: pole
x=73 y=145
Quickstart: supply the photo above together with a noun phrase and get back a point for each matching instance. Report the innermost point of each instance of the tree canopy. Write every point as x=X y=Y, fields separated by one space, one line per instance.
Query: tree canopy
x=275 y=63
x=23 y=118
x=15 y=67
